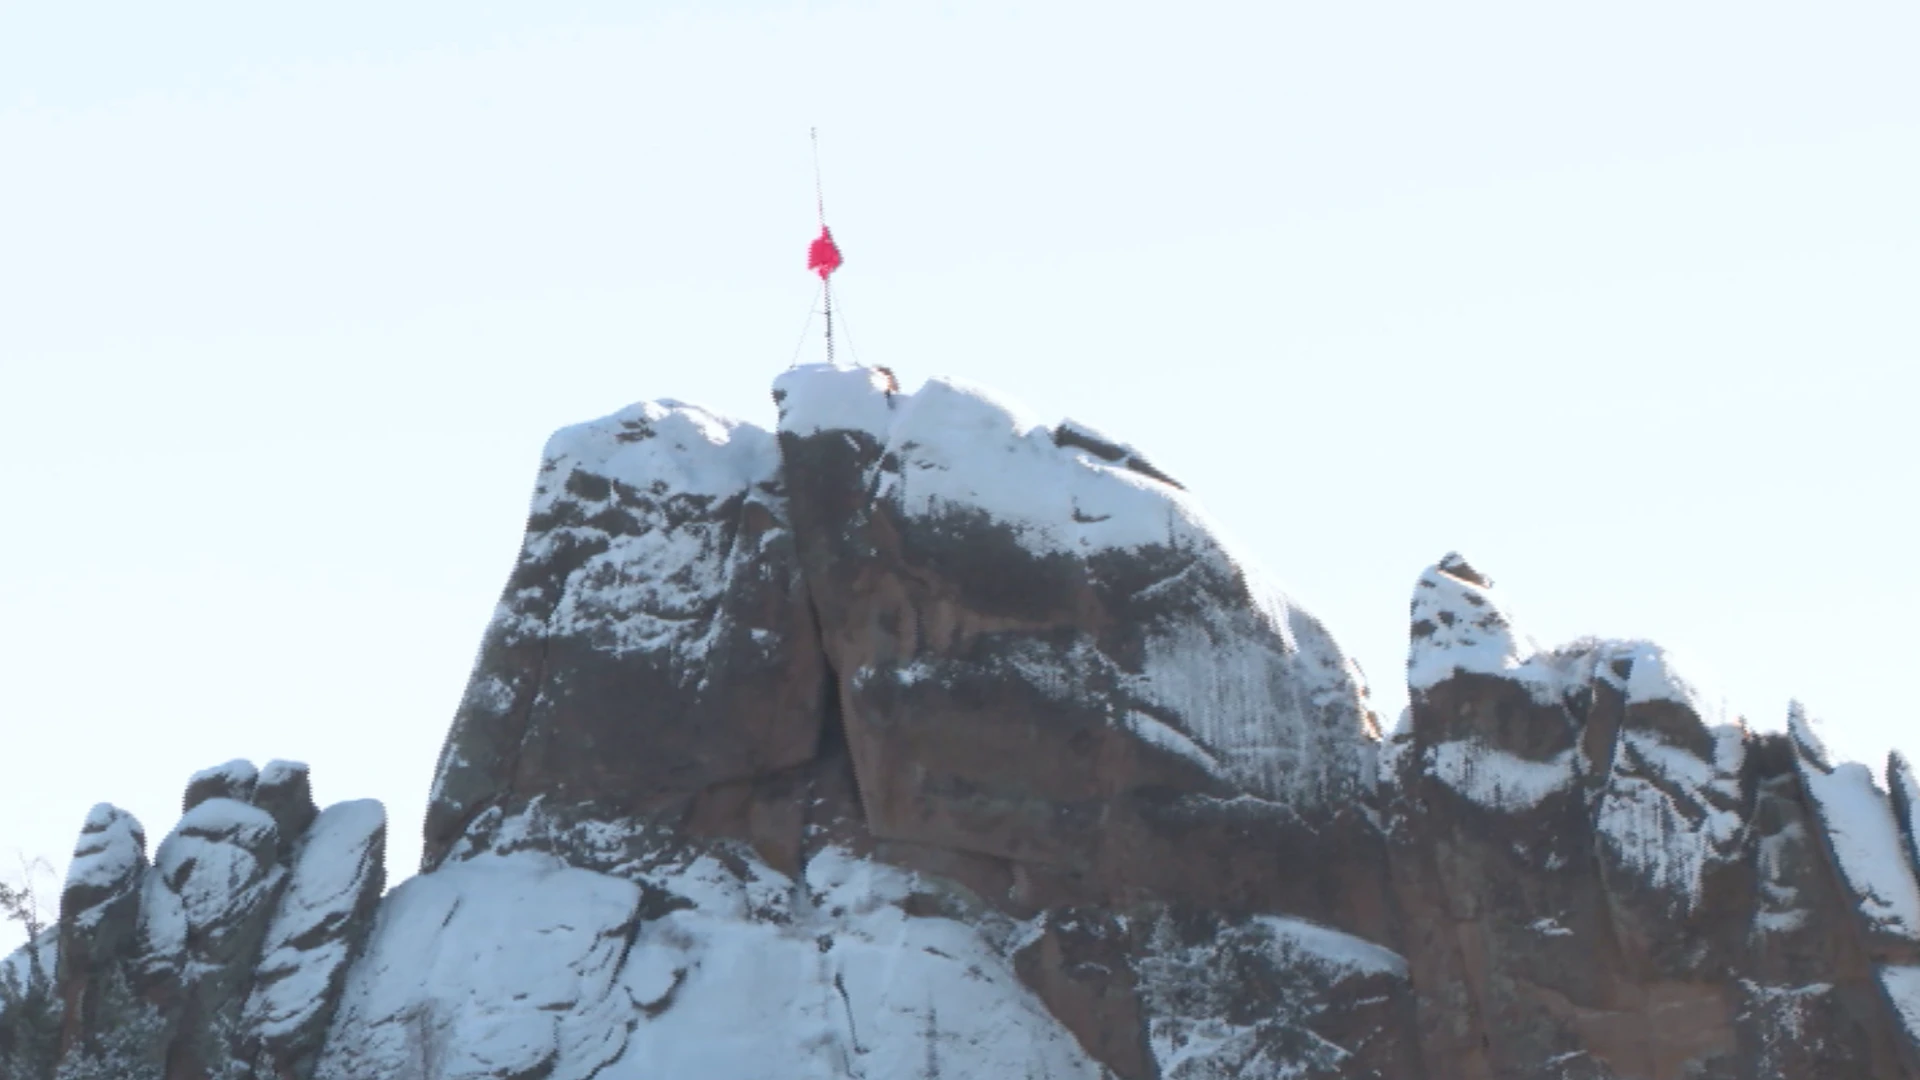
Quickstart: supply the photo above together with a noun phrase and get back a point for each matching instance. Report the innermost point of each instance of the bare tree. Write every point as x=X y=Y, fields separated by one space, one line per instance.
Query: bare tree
x=21 y=903
x=28 y=1018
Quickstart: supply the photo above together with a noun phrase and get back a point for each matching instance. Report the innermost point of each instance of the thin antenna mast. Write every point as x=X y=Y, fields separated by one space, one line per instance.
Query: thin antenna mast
x=820 y=205
x=823 y=256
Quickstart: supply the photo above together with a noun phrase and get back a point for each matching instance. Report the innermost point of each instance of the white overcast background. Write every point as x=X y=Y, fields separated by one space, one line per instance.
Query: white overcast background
x=1618 y=300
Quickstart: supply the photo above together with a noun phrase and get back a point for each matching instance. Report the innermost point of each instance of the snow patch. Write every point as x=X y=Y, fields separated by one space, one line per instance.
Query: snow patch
x=1266 y=693
x=1656 y=675
x=1333 y=949
x=1260 y=688
x=304 y=953
x=237 y=776
x=1906 y=805
x=1902 y=984
x=1867 y=846
x=111 y=852
x=1496 y=779
x=212 y=859
x=1802 y=726
x=1458 y=627
x=278 y=773
x=665 y=447
x=1197 y=1025
x=494 y=966
x=1168 y=738
x=961 y=449
x=1669 y=815
x=519 y=965
x=829 y=397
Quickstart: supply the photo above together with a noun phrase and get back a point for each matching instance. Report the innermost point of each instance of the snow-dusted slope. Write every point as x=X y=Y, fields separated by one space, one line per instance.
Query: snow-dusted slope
x=519 y=965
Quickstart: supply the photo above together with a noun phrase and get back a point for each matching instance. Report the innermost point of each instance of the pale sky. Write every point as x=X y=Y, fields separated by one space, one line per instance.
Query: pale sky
x=1618 y=300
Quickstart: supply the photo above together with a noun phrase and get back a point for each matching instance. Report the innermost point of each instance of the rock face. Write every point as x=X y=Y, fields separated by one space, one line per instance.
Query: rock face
x=224 y=956
x=1602 y=877
x=654 y=638
x=915 y=739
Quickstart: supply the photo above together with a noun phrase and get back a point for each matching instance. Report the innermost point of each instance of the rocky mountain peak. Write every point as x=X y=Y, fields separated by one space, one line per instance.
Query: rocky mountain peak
x=915 y=738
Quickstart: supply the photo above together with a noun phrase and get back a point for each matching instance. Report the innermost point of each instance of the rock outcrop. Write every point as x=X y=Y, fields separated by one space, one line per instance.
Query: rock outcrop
x=1600 y=876
x=224 y=956
x=915 y=739
x=654 y=639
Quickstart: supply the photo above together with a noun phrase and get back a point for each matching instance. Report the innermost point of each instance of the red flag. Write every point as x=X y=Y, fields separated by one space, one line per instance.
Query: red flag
x=823 y=257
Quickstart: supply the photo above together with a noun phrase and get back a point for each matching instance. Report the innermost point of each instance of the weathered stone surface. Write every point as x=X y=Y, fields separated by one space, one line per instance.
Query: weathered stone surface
x=1597 y=879
x=204 y=910
x=230 y=780
x=1904 y=790
x=323 y=916
x=1051 y=657
x=928 y=742
x=654 y=638
x=161 y=975
x=285 y=791
x=99 y=912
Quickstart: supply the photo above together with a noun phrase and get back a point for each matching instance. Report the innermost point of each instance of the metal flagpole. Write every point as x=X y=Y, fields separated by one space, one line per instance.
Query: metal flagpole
x=820 y=206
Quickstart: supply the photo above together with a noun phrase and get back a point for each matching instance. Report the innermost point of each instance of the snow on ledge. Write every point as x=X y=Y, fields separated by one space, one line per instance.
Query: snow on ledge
x=962 y=448
x=1866 y=843
x=1906 y=804
x=1333 y=948
x=1657 y=675
x=280 y=772
x=1496 y=779
x=1902 y=984
x=1801 y=727
x=663 y=446
x=831 y=397
x=1459 y=627
x=111 y=850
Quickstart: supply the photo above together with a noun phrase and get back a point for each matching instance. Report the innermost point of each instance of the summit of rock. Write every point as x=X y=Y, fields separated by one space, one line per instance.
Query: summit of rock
x=912 y=737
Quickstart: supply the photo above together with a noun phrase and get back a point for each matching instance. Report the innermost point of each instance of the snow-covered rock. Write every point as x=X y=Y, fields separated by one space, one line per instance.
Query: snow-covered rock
x=1902 y=984
x=922 y=740
x=108 y=860
x=321 y=919
x=519 y=965
x=1868 y=849
x=1904 y=790
x=1602 y=822
x=1271 y=996
x=1669 y=810
x=229 y=780
x=1032 y=630
x=159 y=962
x=1458 y=627
x=285 y=791
x=654 y=637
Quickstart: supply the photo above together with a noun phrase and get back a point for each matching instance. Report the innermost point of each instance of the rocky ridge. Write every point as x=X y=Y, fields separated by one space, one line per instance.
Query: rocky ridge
x=913 y=738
